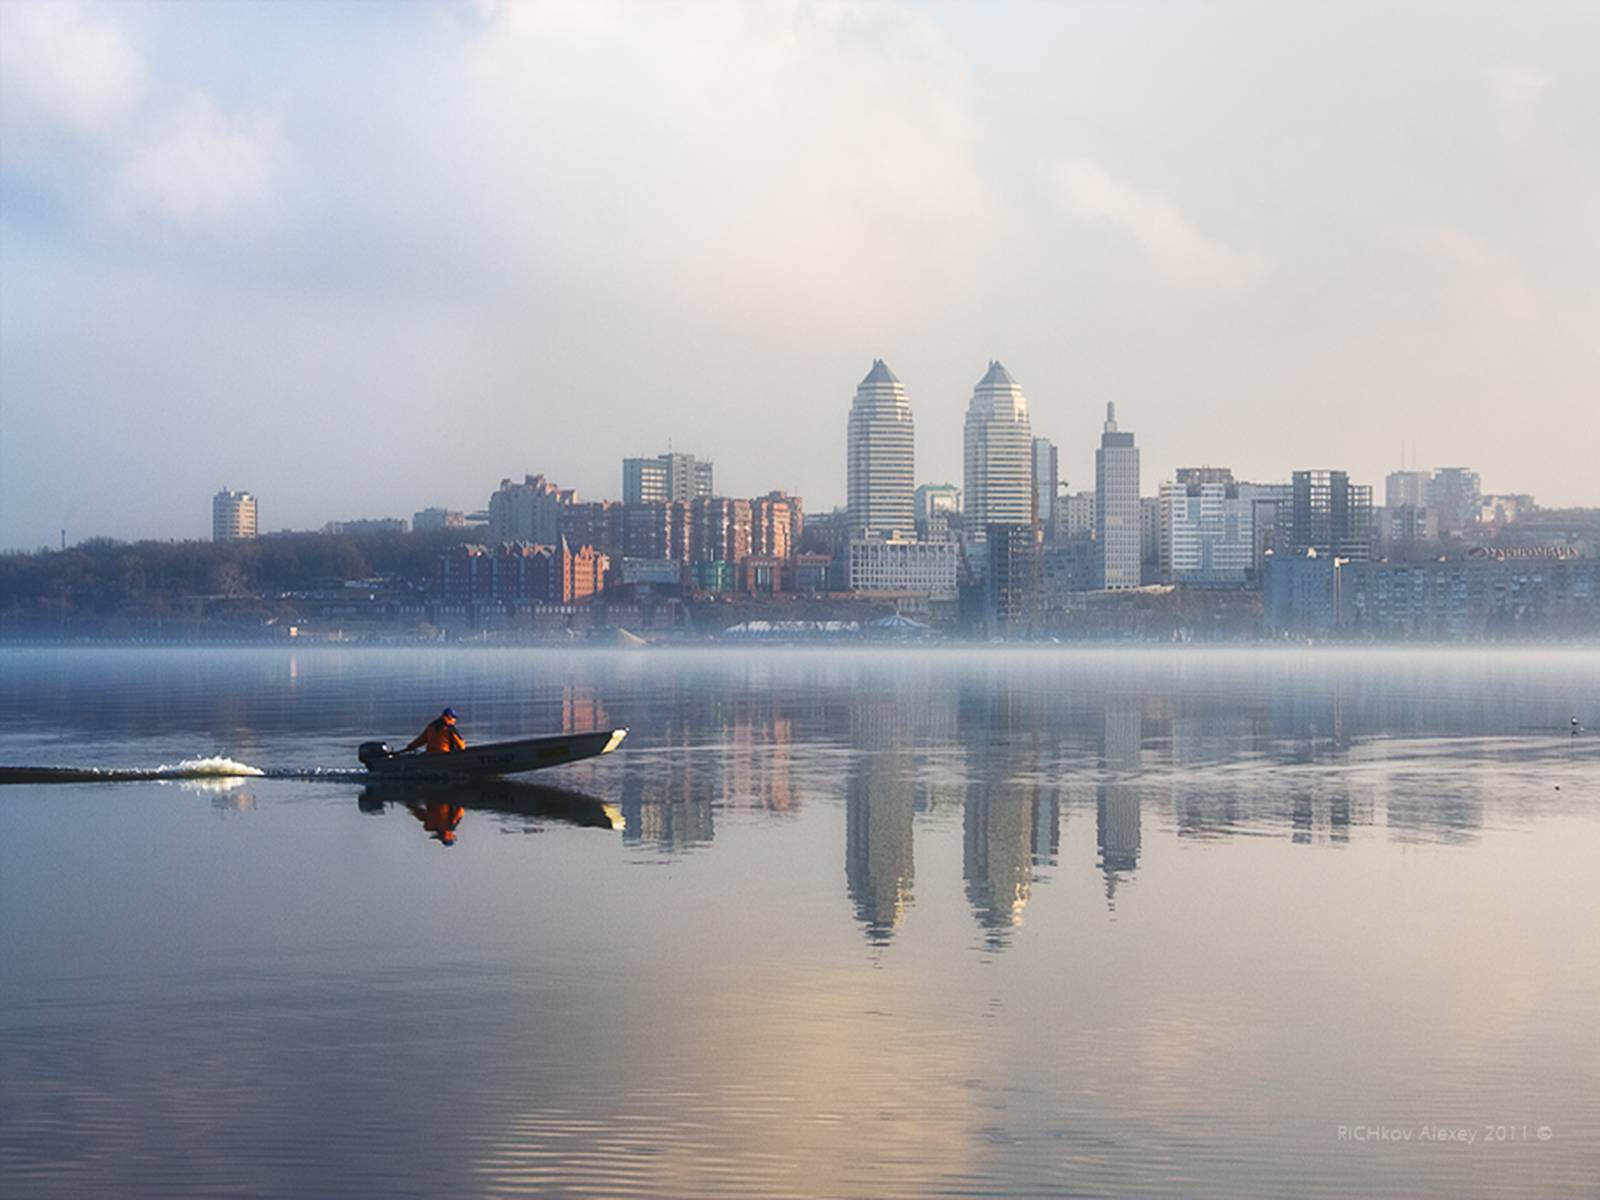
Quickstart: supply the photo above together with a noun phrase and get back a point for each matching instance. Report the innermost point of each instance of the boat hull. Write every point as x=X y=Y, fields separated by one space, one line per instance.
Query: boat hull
x=492 y=759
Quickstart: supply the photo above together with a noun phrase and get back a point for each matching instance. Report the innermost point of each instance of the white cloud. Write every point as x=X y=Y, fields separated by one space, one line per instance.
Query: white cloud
x=85 y=117
x=63 y=61
x=200 y=166
x=781 y=144
x=1091 y=194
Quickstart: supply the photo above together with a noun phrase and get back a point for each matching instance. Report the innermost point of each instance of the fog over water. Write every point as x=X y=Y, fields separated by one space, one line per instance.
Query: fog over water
x=892 y=923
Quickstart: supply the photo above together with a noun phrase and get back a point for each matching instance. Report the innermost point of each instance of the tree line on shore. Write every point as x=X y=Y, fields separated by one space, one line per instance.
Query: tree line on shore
x=102 y=576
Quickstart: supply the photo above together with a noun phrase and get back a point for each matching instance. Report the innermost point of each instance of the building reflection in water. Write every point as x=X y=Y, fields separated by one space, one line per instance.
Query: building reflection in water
x=996 y=742
x=880 y=805
x=1010 y=825
x=582 y=709
x=733 y=749
x=671 y=812
x=1451 y=817
x=882 y=798
x=1009 y=831
x=1117 y=816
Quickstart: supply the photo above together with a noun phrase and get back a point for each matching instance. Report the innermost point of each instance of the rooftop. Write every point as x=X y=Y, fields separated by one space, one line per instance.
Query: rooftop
x=880 y=373
x=997 y=376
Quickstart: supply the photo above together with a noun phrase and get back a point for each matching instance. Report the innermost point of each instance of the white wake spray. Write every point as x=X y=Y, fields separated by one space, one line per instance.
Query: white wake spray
x=215 y=766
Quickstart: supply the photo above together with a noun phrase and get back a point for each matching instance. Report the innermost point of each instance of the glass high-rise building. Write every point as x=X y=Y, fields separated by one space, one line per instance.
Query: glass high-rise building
x=999 y=457
x=1116 y=507
x=881 y=469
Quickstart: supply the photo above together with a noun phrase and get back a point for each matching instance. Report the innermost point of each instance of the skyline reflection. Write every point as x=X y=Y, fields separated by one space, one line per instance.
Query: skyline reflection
x=893 y=741
x=913 y=924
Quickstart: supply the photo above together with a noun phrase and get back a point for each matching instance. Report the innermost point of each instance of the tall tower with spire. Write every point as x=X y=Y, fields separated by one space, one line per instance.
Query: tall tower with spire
x=881 y=471
x=999 y=457
x=1116 y=511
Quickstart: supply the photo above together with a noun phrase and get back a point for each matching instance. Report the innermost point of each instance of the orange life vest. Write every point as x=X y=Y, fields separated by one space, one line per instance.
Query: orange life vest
x=443 y=738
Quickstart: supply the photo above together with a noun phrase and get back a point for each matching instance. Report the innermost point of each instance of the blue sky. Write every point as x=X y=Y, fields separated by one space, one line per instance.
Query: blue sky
x=364 y=258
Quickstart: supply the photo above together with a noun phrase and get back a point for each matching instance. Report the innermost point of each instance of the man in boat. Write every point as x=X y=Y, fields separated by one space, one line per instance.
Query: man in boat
x=440 y=736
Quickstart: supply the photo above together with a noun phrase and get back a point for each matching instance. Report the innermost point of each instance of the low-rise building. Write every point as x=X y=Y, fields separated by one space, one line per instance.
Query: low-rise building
x=1449 y=599
x=660 y=572
x=764 y=575
x=917 y=568
x=431 y=520
x=812 y=573
x=1297 y=593
x=827 y=533
x=1405 y=531
x=938 y=510
x=1504 y=509
x=712 y=575
x=1470 y=598
x=365 y=526
x=520 y=573
x=1066 y=567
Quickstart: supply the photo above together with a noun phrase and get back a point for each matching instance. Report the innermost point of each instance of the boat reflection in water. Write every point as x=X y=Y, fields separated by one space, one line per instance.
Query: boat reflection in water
x=442 y=806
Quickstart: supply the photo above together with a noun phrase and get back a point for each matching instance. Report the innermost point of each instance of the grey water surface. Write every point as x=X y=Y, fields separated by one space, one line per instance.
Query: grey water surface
x=875 y=923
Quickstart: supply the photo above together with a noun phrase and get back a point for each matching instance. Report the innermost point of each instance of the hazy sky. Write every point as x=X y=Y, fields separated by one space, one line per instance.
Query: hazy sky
x=364 y=258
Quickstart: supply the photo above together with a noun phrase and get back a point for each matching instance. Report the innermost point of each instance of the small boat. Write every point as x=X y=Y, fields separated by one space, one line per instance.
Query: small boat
x=490 y=759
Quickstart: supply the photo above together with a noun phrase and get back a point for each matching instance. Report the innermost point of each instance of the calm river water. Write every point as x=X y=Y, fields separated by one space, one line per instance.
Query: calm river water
x=866 y=924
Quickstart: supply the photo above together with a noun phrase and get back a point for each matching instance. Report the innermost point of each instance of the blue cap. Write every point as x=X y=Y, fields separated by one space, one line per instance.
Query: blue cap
x=449 y=712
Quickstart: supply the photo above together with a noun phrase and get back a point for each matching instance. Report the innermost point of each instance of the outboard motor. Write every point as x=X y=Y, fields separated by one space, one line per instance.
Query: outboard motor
x=371 y=752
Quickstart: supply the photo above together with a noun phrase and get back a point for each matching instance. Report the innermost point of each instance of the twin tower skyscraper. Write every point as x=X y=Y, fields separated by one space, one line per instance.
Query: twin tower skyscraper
x=998 y=477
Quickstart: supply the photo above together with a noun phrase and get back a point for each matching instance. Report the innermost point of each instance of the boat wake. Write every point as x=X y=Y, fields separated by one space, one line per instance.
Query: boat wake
x=216 y=768
x=205 y=768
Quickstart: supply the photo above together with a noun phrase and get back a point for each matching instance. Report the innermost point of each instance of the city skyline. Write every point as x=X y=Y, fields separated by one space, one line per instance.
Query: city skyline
x=1413 y=496
x=1406 y=490
x=242 y=261
x=1403 y=482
